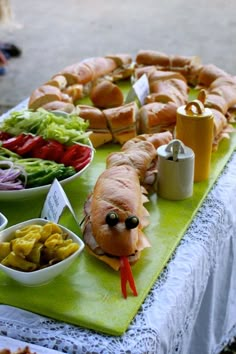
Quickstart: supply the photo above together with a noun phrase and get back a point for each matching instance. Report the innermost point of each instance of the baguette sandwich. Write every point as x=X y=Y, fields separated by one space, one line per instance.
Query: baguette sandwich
x=100 y=133
x=122 y=122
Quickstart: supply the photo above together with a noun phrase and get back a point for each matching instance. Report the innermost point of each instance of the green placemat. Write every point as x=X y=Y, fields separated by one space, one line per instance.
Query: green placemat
x=88 y=293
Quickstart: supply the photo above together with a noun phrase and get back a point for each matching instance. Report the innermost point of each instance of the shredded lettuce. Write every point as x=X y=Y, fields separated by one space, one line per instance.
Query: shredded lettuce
x=67 y=129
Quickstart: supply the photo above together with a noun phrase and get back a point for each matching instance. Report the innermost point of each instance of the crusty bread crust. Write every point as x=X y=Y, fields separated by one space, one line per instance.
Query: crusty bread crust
x=100 y=66
x=59 y=106
x=106 y=95
x=121 y=60
x=99 y=138
x=157 y=117
x=58 y=81
x=75 y=91
x=95 y=116
x=120 y=118
x=152 y=57
x=209 y=73
x=44 y=94
x=117 y=189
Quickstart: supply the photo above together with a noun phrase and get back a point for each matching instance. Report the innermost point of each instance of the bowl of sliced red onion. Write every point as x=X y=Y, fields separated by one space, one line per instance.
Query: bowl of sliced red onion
x=12 y=176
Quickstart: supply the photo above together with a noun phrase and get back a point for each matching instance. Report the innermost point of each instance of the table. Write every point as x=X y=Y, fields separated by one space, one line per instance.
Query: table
x=191 y=308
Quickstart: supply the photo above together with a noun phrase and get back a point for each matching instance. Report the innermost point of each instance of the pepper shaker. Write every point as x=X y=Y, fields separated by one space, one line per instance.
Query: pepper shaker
x=194 y=127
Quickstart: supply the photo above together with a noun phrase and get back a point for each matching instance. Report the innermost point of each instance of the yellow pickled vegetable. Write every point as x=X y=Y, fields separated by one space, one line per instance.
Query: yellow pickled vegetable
x=17 y=262
x=5 y=249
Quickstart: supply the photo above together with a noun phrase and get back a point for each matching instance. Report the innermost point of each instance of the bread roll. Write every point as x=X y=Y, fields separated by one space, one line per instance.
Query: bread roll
x=220 y=122
x=42 y=95
x=78 y=73
x=100 y=137
x=75 y=91
x=95 y=116
x=152 y=57
x=228 y=92
x=171 y=90
x=121 y=59
x=100 y=134
x=140 y=156
x=118 y=241
x=59 y=106
x=209 y=73
x=100 y=66
x=157 y=117
x=122 y=121
x=140 y=71
x=223 y=81
x=58 y=81
x=158 y=75
x=106 y=95
x=216 y=102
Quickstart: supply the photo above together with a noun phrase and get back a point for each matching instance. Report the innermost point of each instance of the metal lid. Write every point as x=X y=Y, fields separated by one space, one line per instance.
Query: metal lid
x=175 y=151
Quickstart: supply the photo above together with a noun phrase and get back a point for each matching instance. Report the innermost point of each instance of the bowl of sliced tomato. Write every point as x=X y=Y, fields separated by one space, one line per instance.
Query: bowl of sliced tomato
x=37 y=147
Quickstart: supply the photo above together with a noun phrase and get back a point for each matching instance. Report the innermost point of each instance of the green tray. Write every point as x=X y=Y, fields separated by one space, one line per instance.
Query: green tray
x=88 y=293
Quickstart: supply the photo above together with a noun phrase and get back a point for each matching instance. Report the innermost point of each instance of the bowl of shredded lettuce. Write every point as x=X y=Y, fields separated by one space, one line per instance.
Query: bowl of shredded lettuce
x=37 y=147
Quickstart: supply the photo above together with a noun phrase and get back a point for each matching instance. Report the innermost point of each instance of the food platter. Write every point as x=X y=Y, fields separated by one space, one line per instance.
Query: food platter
x=88 y=293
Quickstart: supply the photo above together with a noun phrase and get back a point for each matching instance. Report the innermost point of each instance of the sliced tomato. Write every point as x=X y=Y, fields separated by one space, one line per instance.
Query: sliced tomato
x=15 y=142
x=29 y=144
x=4 y=136
x=75 y=155
x=55 y=150
x=78 y=166
x=50 y=150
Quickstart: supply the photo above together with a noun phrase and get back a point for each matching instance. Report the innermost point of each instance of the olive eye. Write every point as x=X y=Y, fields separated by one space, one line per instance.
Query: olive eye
x=112 y=218
x=131 y=222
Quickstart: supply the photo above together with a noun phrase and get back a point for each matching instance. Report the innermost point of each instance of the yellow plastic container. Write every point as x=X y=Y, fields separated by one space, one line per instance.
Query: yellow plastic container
x=194 y=127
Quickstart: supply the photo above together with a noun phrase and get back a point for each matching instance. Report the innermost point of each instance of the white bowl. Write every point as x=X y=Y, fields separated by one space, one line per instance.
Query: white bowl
x=9 y=195
x=3 y=221
x=45 y=275
x=27 y=193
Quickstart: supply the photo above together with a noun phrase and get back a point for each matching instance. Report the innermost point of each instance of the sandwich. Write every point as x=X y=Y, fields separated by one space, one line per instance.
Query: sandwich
x=106 y=94
x=122 y=122
x=44 y=94
x=99 y=131
x=157 y=117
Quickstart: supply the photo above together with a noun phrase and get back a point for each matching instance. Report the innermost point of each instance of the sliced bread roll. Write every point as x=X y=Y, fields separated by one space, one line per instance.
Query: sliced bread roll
x=59 y=106
x=105 y=94
x=44 y=94
x=157 y=117
x=100 y=133
x=122 y=122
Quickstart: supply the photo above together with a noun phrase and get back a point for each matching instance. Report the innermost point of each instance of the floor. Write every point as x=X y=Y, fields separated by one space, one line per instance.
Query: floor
x=58 y=33
x=55 y=34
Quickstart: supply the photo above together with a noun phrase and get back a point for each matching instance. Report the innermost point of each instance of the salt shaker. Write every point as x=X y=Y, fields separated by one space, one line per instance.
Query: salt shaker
x=175 y=171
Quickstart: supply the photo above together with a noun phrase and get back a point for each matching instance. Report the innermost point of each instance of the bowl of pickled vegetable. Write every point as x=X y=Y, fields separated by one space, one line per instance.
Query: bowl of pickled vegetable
x=36 y=251
x=38 y=147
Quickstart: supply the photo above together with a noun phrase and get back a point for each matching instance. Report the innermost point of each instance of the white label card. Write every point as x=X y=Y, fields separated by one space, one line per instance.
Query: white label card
x=140 y=89
x=55 y=203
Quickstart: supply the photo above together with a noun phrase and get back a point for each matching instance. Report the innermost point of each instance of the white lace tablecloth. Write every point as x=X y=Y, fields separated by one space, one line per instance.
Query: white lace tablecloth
x=191 y=309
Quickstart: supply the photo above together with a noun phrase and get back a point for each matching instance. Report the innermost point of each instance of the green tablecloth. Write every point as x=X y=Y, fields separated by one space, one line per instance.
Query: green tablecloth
x=88 y=293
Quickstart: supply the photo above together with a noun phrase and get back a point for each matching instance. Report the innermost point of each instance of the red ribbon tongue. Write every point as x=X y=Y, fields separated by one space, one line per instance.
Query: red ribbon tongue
x=126 y=276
